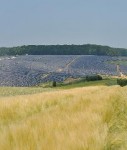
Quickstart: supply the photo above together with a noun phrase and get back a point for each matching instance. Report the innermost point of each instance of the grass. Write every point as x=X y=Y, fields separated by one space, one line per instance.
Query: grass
x=13 y=91
x=84 y=118
x=82 y=83
x=120 y=62
x=108 y=82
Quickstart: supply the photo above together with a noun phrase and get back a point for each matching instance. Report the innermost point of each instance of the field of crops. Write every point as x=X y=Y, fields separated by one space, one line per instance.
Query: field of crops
x=84 y=118
x=31 y=70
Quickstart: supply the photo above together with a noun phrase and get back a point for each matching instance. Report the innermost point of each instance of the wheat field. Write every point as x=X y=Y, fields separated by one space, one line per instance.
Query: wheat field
x=87 y=118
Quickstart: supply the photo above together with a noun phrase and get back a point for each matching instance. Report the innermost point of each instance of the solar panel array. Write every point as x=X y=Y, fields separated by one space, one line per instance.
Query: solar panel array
x=31 y=70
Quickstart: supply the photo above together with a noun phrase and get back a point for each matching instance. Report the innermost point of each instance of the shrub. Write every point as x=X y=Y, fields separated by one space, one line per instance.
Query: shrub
x=122 y=82
x=54 y=83
x=93 y=78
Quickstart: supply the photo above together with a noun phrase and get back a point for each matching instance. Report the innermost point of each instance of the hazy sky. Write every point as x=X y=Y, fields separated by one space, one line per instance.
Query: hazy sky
x=24 y=22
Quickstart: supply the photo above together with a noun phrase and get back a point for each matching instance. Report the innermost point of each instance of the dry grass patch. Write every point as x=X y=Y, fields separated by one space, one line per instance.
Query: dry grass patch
x=90 y=118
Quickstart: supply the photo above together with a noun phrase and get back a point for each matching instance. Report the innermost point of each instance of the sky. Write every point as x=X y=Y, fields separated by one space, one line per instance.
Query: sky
x=45 y=22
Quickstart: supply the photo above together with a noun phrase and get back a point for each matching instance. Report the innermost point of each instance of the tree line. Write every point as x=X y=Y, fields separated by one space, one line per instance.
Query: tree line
x=87 y=49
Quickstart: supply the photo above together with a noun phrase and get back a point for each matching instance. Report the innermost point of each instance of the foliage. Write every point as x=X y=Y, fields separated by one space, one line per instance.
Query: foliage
x=54 y=83
x=93 y=78
x=122 y=82
x=87 y=49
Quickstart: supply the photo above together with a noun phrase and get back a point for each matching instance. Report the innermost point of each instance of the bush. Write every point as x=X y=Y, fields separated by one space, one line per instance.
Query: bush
x=93 y=78
x=122 y=82
x=54 y=83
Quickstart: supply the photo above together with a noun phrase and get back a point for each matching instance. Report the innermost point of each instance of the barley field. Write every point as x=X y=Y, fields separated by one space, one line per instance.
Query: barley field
x=84 y=118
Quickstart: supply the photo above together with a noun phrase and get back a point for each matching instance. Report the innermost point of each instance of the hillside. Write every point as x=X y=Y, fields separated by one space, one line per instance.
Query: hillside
x=92 y=118
x=88 y=49
x=34 y=70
